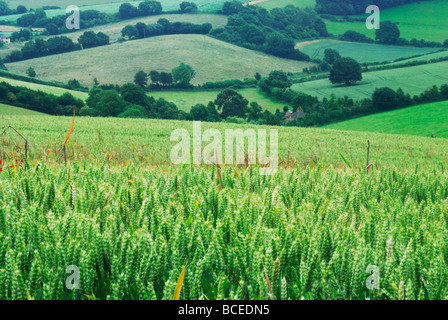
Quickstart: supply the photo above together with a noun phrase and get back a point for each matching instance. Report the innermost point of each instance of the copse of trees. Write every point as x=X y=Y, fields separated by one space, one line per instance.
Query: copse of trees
x=183 y=75
x=331 y=56
x=132 y=103
x=188 y=7
x=91 y=39
x=57 y=24
x=231 y=103
x=39 y=48
x=22 y=35
x=388 y=33
x=5 y=10
x=346 y=70
x=163 y=27
x=356 y=37
x=231 y=7
x=180 y=77
x=274 y=31
x=145 y=8
x=56 y=45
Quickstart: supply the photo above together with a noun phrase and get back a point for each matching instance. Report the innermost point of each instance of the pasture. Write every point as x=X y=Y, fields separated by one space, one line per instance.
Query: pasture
x=421 y=20
x=213 y=60
x=186 y=99
x=427 y=57
x=363 y=52
x=422 y=120
x=413 y=80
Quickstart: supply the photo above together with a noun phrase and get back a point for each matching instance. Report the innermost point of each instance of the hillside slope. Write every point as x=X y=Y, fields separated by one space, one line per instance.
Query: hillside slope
x=362 y=52
x=421 y=20
x=413 y=80
x=213 y=60
x=422 y=120
x=7 y=110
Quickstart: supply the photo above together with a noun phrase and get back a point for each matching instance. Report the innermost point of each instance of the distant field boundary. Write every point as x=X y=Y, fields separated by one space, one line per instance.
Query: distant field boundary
x=14 y=76
x=376 y=67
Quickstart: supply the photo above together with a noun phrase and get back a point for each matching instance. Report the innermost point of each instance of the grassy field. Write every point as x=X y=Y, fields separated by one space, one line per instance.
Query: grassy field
x=186 y=99
x=363 y=52
x=48 y=89
x=413 y=80
x=422 y=20
x=139 y=141
x=428 y=57
x=423 y=120
x=6 y=110
x=213 y=60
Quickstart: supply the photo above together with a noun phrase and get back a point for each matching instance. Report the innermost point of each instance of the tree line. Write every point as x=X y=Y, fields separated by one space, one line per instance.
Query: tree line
x=163 y=27
x=57 y=25
x=5 y=10
x=39 y=101
x=56 y=45
x=179 y=77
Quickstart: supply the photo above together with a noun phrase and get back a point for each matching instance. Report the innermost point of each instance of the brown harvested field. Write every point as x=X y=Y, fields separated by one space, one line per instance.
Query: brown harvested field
x=113 y=30
x=212 y=59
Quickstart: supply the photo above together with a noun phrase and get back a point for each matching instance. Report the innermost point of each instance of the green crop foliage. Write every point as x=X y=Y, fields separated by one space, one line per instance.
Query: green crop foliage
x=314 y=232
x=131 y=221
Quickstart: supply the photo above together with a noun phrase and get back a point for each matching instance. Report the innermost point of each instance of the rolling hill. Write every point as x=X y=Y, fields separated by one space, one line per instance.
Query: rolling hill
x=362 y=52
x=213 y=60
x=413 y=80
x=422 y=120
